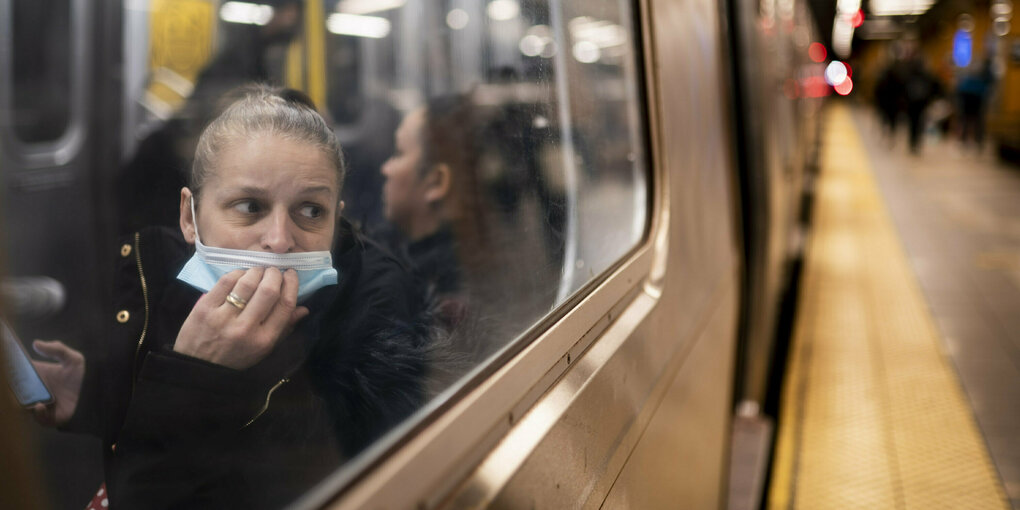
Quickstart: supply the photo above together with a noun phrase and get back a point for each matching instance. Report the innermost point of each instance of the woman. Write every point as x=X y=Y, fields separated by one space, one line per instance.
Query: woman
x=433 y=197
x=440 y=195
x=242 y=388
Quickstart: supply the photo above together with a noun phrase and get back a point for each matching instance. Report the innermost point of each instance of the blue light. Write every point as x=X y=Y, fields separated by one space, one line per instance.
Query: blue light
x=962 y=48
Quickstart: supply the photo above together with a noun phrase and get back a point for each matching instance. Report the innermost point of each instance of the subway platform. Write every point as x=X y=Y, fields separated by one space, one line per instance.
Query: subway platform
x=903 y=384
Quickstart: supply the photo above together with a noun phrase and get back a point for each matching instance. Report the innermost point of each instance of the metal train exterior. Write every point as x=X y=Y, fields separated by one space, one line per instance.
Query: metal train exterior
x=622 y=392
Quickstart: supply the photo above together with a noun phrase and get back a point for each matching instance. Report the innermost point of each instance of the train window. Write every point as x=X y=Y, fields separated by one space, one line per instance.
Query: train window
x=533 y=108
x=496 y=168
x=41 y=70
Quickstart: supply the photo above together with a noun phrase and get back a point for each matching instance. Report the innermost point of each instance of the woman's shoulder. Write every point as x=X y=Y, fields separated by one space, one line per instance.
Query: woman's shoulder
x=368 y=268
x=153 y=253
x=166 y=240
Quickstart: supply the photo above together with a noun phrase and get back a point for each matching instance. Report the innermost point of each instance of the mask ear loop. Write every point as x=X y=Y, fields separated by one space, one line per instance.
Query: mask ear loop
x=194 y=219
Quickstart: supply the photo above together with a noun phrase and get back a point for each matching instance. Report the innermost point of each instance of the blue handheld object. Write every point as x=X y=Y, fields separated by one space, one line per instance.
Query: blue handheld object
x=28 y=387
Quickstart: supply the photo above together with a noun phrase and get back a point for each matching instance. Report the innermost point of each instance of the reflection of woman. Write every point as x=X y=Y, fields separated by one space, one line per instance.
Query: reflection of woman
x=432 y=196
x=483 y=271
x=247 y=394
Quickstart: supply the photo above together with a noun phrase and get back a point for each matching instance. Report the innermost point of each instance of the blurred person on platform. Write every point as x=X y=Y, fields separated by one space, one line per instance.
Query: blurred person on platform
x=889 y=98
x=972 y=93
x=920 y=88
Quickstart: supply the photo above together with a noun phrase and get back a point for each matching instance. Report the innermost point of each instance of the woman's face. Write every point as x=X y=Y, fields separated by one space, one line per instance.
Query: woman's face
x=266 y=193
x=403 y=197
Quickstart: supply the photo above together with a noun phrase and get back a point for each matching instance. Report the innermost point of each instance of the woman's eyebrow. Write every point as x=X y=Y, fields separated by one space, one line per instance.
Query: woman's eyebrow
x=316 y=189
x=253 y=191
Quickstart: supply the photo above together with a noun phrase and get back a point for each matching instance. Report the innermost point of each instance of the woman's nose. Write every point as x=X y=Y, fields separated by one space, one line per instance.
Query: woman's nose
x=278 y=236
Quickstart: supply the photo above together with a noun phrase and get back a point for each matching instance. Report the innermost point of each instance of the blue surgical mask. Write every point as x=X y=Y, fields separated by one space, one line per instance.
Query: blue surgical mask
x=208 y=264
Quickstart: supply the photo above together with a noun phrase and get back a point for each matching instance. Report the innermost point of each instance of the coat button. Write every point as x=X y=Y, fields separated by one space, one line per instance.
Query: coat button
x=123 y=316
x=113 y=447
x=125 y=250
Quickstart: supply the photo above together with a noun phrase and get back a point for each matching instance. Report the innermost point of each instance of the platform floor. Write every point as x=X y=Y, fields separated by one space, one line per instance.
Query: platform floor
x=903 y=389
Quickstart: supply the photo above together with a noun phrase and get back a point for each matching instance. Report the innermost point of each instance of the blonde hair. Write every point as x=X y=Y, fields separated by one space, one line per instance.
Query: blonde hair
x=261 y=109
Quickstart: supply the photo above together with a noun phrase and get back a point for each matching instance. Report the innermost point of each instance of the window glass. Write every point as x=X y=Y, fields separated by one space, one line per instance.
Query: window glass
x=41 y=70
x=494 y=161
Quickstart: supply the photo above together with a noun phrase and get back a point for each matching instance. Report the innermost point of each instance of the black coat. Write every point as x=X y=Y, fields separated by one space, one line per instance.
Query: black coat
x=180 y=432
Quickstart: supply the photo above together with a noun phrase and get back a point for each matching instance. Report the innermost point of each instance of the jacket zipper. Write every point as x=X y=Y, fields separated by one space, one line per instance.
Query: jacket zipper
x=265 y=406
x=145 y=328
x=145 y=323
x=145 y=300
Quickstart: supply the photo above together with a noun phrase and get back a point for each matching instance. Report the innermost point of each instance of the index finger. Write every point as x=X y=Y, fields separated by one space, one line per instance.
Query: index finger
x=219 y=292
x=267 y=294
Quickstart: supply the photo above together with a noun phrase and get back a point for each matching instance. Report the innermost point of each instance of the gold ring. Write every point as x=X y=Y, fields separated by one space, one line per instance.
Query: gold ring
x=237 y=301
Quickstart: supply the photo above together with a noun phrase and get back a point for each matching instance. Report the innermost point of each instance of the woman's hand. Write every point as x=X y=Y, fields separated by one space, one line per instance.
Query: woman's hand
x=239 y=336
x=63 y=379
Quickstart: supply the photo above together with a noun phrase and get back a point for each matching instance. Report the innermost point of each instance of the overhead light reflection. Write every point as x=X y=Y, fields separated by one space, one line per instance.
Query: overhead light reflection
x=502 y=10
x=858 y=18
x=899 y=7
x=586 y=52
x=358 y=26
x=538 y=41
x=531 y=45
x=844 y=87
x=817 y=52
x=1003 y=10
x=835 y=73
x=247 y=13
x=367 y=6
x=842 y=36
x=457 y=19
x=1001 y=27
x=603 y=33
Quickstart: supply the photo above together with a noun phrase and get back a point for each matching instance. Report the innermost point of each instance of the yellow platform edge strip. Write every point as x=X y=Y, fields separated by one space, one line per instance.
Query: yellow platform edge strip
x=873 y=414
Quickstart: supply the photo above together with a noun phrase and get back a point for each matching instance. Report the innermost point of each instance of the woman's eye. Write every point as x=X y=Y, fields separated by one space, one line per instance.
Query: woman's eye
x=246 y=207
x=310 y=211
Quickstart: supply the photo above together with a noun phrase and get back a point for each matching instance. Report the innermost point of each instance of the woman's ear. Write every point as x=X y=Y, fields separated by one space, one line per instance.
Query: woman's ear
x=437 y=183
x=187 y=219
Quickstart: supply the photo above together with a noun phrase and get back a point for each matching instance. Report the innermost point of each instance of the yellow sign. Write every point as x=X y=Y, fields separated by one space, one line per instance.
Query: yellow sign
x=181 y=40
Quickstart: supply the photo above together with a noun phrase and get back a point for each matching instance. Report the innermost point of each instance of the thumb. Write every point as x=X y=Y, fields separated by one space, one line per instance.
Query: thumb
x=42 y=414
x=54 y=349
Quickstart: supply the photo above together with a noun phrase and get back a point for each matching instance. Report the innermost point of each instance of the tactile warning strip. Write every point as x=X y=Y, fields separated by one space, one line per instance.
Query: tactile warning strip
x=873 y=414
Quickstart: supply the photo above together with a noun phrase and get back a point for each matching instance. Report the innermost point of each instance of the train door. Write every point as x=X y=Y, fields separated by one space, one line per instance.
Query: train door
x=57 y=120
x=47 y=154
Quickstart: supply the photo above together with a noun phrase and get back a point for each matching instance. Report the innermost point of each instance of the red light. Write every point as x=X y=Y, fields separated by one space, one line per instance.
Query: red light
x=858 y=18
x=815 y=86
x=817 y=52
x=849 y=70
x=790 y=89
x=845 y=87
